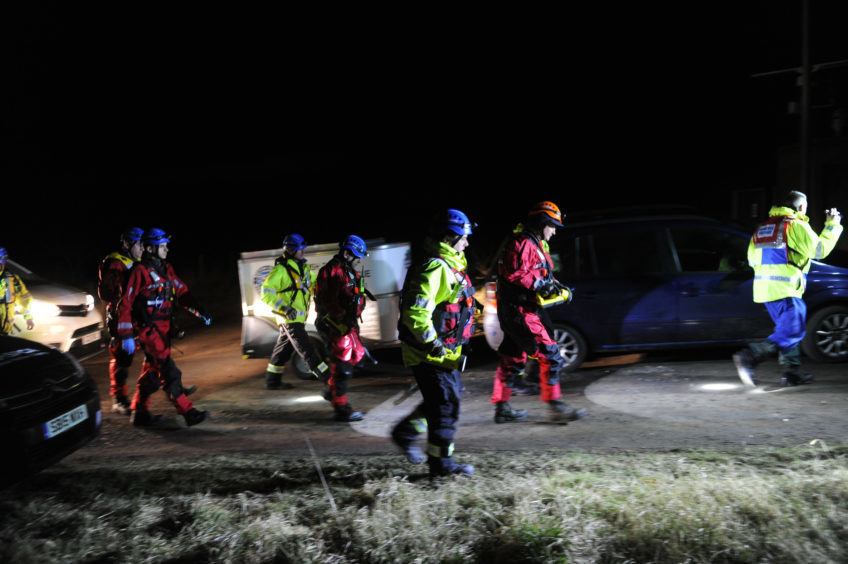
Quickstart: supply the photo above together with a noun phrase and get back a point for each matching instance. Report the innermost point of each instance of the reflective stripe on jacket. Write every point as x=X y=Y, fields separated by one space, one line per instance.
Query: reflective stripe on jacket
x=780 y=252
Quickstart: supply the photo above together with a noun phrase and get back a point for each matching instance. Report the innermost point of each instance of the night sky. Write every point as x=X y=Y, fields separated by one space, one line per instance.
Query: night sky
x=201 y=121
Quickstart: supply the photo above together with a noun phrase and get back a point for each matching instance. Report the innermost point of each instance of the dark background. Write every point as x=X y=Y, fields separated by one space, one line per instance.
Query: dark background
x=195 y=119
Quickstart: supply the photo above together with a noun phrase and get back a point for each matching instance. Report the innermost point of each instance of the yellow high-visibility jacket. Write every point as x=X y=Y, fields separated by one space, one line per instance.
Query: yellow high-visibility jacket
x=780 y=252
x=13 y=293
x=288 y=285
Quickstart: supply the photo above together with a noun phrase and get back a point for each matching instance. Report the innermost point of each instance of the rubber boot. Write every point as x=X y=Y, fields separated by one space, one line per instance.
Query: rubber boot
x=505 y=414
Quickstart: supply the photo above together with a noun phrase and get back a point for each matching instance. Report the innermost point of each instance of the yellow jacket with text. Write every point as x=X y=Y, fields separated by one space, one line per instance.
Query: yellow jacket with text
x=780 y=252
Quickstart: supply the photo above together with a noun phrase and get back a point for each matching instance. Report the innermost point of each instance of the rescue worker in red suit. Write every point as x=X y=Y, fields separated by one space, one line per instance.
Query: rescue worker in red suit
x=437 y=307
x=113 y=274
x=339 y=302
x=145 y=309
x=525 y=269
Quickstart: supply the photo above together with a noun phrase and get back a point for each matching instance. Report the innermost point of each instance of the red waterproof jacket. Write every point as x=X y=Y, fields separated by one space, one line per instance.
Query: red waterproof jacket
x=523 y=264
x=150 y=296
x=339 y=292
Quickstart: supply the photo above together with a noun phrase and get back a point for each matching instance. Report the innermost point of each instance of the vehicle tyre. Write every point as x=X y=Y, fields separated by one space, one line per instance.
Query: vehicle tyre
x=301 y=370
x=572 y=347
x=827 y=335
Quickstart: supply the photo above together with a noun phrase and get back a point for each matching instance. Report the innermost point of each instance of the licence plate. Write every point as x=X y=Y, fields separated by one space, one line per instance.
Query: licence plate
x=65 y=421
x=90 y=338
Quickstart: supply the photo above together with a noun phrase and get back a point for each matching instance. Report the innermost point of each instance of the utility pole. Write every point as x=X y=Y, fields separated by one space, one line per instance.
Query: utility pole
x=803 y=80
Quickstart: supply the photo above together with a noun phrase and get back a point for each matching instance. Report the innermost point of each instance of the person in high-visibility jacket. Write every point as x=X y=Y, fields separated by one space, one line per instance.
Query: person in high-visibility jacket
x=112 y=277
x=339 y=303
x=780 y=252
x=525 y=272
x=437 y=306
x=13 y=294
x=287 y=290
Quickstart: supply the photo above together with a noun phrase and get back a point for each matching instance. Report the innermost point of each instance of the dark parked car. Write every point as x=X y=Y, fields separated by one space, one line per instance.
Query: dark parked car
x=49 y=407
x=663 y=282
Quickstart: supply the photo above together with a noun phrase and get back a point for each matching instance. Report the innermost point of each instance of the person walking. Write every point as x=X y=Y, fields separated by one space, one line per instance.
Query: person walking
x=339 y=303
x=13 y=294
x=436 y=310
x=525 y=272
x=288 y=291
x=112 y=277
x=780 y=252
x=145 y=309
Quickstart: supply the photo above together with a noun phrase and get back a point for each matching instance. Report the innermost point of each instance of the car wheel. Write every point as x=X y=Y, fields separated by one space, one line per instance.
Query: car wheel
x=572 y=347
x=301 y=370
x=827 y=335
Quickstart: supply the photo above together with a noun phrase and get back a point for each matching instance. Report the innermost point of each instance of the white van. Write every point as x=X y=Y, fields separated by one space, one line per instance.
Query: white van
x=383 y=270
x=65 y=317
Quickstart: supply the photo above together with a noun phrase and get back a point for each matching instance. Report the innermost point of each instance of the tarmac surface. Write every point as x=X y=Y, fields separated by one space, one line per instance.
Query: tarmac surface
x=634 y=403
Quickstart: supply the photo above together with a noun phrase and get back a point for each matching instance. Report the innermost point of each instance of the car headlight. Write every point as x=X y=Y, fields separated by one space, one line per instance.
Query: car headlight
x=39 y=309
x=89 y=302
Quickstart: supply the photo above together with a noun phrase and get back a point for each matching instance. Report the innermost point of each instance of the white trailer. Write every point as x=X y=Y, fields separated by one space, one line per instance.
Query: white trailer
x=383 y=270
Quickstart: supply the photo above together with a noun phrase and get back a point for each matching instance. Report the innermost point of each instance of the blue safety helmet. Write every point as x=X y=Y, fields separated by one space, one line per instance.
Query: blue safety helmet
x=132 y=235
x=294 y=242
x=355 y=245
x=155 y=237
x=4 y=256
x=457 y=222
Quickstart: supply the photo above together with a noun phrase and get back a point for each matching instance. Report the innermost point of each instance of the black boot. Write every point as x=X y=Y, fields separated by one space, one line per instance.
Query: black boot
x=794 y=376
x=505 y=414
x=346 y=413
x=447 y=467
x=195 y=416
x=274 y=382
x=190 y=390
x=413 y=453
x=143 y=418
x=561 y=411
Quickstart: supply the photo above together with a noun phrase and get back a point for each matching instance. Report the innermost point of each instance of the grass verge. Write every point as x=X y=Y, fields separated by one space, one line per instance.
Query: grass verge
x=756 y=505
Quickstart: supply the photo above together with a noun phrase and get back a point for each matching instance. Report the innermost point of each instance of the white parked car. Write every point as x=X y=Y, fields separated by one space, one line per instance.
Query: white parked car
x=65 y=318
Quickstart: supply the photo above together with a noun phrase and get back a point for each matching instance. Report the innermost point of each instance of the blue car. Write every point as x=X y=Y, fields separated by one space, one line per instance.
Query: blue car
x=660 y=282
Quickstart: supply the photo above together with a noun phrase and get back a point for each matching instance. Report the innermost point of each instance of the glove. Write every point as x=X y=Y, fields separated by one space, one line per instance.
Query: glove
x=128 y=345
x=206 y=320
x=549 y=288
x=437 y=348
x=289 y=312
